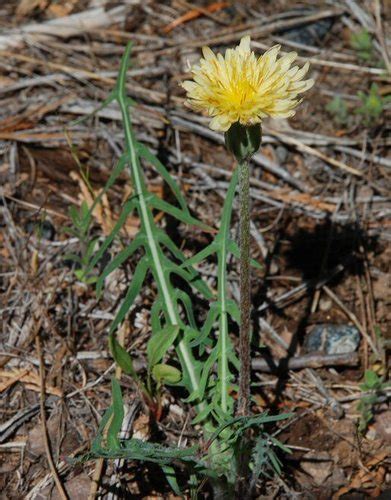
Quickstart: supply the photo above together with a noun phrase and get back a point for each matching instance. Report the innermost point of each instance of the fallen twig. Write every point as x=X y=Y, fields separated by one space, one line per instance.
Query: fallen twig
x=49 y=457
x=307 y=361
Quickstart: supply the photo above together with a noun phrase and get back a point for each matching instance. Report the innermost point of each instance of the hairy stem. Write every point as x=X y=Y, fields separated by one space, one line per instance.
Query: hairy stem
x=245 y=298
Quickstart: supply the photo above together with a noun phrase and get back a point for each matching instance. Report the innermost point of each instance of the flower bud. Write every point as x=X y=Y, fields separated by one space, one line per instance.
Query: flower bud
x=243 y=141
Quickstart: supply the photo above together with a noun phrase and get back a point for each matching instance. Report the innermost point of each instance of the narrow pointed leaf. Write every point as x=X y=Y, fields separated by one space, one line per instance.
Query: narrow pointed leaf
x=127 y=209
x=191 y=278
x=234 y=249
x=185 y=299
x=131 y=294
x=118 y=260
x=97 y=442
x=118 y=169
x=145 y=153
x=104 y=104
x=202 y=255
x=118 y=416
x=169 y=473
x=178 y=213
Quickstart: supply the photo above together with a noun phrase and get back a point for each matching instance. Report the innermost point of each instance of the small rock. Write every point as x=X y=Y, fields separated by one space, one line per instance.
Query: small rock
x=337 y=478
x=310 y=34
x=42 y=229
x=318 y=464
x=77 y=488
x=383 y=426
x=332 y=339
x=325 y=304
x=371 y=434
x=281 y=153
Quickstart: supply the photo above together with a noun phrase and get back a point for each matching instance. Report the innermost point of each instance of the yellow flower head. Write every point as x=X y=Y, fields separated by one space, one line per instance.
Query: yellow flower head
x=241 y=87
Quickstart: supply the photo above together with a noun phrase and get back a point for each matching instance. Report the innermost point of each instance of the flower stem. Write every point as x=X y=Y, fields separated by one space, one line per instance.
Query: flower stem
x=245 y=297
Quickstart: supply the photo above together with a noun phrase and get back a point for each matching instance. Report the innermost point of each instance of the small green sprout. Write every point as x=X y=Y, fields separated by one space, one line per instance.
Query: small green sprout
x=81 y=223
x=362 y=43
x=372 y=388
x=372 y=105
x=338 y=109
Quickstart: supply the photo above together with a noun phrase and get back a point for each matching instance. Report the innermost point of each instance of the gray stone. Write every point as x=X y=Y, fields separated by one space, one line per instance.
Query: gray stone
x=332 y=339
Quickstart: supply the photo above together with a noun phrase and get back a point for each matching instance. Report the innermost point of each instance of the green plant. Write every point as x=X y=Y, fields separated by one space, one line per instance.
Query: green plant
x=338 y=109
x=181 y=352
x=81 y=224
x=362 y=43
x=372 y=104
x=373 y=389
x=196 y=459
x=371 y=109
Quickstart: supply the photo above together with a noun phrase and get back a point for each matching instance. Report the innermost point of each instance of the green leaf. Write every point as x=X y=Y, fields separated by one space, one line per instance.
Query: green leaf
x=105 y=103
x=206 y=328
x=118 y=169
x=202 y=415
x=233 y=310
x=156 y=313
x=118 y=416
x=157 y=261
x=131 y=294
x=160 y=342
x=169 y=473
x=96 y=444
x=81 y=275
x=187 y=304
x=121 y=357
x=166 y=374
x=192 y=279
x=338 y=109
x=202 y=255
x=145 y=153
x=362 y=41
x=178 y=213
x=371 y=379
x=73 y=257
x=127 y=209
x=90 y=249
x=234 y=249
x=208 y=365
x=118 y=260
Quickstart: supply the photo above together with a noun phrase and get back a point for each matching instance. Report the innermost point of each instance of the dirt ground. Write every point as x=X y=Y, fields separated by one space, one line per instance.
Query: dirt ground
x=321 y=228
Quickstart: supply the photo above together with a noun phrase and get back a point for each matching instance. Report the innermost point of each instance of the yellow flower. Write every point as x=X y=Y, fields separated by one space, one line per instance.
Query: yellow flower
x=241 y=87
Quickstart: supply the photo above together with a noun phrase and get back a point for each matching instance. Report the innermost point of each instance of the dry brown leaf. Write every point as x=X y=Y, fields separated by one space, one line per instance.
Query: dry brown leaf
x=102 y=212
x=30 y=378
x=26 y=7
x=60 y=10
x=363 y=476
